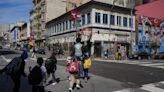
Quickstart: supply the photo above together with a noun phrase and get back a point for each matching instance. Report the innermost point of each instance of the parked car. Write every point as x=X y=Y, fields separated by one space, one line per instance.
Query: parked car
x=160 y=55
x=40 y=51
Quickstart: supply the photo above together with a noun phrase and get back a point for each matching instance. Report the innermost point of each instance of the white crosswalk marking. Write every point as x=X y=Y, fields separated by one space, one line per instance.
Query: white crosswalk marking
x=143 y=63
x=145 y=88
x=152 y=88
x=7 y=60
x=125 y=90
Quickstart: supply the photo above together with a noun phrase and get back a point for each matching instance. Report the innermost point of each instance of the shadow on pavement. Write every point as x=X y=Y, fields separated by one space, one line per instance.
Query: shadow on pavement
x=6 y=84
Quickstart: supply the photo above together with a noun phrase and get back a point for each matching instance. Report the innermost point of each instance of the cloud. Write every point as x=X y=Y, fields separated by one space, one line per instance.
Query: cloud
x=12 y=11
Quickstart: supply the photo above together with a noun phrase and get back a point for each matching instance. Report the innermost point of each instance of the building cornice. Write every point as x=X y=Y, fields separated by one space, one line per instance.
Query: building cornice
x=90 y=3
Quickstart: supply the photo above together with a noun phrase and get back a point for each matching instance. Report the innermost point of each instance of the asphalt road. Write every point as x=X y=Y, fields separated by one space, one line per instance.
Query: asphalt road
x=130 y=75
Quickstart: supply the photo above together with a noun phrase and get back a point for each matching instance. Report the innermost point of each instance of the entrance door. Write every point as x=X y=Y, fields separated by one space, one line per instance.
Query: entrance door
x=97 y=49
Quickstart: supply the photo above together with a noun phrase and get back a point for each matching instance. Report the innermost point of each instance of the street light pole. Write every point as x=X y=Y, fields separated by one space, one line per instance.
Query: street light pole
x=131 y=25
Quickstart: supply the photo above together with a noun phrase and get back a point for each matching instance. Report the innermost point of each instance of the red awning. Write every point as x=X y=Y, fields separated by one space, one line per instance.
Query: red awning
x=154 y=9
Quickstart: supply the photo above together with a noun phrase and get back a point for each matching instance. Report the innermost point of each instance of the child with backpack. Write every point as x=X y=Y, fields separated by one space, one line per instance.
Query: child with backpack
x=37 y=76
x=73 y=69
x=87 y=64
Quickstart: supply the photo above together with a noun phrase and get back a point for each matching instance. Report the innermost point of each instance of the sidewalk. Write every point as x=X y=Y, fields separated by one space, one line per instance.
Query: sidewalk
x=95 y=84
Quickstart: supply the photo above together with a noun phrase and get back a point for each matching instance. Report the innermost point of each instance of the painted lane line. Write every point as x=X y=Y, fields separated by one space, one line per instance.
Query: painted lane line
x=7 y=60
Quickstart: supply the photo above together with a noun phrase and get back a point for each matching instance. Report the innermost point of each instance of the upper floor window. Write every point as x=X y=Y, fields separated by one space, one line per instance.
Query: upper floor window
x=83 y=19
x=105 y=19
x=130 y=22
x=125 y=22
x=63 y=26
x=88 y=18
x=56 y=29
x=98 y=17
x=70 y=24
x=66 y=23
x=119 y=20
x=112 y=19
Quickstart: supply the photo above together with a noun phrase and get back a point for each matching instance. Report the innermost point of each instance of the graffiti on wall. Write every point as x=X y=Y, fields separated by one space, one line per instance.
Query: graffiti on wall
x=151 y=30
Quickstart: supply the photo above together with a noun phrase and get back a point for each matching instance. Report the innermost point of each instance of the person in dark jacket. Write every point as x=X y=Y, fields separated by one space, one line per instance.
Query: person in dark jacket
x=17 y=77
x=52 y=67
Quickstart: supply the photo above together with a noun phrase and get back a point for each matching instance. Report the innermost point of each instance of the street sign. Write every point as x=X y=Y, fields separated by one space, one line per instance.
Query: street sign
x=86 y=31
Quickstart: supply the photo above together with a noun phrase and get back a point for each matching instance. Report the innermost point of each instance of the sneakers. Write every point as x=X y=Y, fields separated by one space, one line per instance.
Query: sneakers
x=70 y=90
x=78 y=86
x=54 y=83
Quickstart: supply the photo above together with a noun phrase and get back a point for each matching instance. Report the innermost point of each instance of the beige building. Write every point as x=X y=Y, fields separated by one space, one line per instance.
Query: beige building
x=4 y=34
x=42 y=12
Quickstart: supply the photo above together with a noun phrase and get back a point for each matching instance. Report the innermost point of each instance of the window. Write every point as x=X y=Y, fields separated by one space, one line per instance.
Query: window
x=56 y=29
x=63 y=26
x=130 y=22
x=119 y=20
x=88 y=18
x=83 y=19
x=105 y=19
x=66 y=23
x=70 y=24
x=60 y=27
x=125 y=20
x=112 y=19
x=98 y=17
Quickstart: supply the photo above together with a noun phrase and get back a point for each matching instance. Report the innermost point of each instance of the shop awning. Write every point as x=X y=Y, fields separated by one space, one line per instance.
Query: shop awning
x=154 y=9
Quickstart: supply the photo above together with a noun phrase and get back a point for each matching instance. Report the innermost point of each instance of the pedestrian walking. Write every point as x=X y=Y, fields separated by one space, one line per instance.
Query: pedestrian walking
x=87 y=64
x=34 y=52
x=37 y=76
x=51 y=67
x=15 y=69
x=73 y=69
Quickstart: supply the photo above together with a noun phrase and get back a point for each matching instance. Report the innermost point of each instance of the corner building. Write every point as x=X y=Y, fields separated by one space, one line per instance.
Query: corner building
x=109 y=28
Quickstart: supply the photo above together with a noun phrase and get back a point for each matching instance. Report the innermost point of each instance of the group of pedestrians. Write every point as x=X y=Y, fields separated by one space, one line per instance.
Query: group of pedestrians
x=78 y=65
x=38 y=75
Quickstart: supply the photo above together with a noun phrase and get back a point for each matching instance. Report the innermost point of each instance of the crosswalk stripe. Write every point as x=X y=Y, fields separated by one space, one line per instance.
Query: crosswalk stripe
x=145 y=88
x=125 y=90
x=162 y=82
x=151 y=88
x=153 y=64
x=7 y=60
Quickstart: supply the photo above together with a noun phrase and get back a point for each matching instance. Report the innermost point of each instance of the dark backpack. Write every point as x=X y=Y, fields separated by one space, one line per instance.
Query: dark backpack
x=50 y=64
x=13 y=67
x=35 y=77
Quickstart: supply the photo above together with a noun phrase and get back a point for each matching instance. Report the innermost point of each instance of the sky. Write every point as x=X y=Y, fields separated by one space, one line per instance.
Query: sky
x=12 y=11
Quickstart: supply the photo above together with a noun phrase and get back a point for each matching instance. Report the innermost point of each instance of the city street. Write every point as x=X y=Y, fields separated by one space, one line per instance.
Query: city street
x=105 y=76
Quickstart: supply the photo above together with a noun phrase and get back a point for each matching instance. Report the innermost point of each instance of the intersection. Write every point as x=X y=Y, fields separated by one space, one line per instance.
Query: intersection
x=106 y=76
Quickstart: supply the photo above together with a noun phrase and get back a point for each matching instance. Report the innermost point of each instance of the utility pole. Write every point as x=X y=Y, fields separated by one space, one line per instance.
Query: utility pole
x=131 y=38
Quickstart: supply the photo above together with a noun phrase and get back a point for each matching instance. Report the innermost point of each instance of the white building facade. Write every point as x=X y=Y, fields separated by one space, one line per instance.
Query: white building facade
x=106 y=28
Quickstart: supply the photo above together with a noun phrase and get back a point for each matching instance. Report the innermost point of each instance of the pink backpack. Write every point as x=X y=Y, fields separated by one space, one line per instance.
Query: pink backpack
x=73 y=67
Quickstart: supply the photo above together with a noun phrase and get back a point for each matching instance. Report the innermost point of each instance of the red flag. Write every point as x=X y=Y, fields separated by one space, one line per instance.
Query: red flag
x=73 y=15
